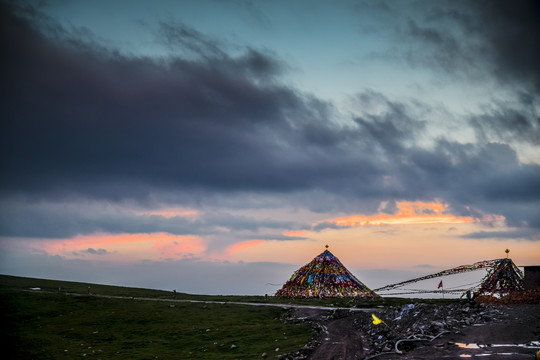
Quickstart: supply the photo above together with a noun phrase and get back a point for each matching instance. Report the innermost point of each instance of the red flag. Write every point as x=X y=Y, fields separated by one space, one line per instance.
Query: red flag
x=440 y=285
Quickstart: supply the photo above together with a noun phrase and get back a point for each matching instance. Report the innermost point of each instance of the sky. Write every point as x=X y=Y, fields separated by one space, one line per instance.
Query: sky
x=214 y=147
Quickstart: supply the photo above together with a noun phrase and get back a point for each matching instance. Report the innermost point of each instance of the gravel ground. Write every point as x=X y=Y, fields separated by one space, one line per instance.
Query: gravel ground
x=422 y=331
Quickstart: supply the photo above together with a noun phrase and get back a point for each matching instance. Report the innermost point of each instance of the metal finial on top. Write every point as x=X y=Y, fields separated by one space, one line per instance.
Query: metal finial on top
x=326 y=246
x=507 y=251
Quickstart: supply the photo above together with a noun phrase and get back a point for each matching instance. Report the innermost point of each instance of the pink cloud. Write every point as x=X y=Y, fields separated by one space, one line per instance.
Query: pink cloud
x=127 y=246
x=179 y=246
x=243 y=246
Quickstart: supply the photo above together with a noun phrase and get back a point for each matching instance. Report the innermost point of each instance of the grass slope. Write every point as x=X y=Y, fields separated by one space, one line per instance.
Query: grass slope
x=48 y=324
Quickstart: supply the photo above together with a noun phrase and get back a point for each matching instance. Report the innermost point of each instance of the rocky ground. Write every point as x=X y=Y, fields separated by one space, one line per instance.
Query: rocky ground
x=423 y=331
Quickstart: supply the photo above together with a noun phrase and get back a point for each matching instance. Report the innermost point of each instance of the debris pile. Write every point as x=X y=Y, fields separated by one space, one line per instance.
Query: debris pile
x=411 y=325
x=401 y=328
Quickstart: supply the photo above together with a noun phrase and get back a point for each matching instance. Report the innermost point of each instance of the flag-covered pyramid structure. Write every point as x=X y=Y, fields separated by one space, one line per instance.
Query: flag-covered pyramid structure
x=504 y=277
x=324 y=276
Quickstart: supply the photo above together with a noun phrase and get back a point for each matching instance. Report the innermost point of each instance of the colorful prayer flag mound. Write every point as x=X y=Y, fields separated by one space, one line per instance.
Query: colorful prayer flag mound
x=324 y=276
x=503 y=278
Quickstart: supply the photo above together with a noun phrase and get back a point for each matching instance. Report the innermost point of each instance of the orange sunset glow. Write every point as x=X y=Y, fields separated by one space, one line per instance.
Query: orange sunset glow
x=410 y=213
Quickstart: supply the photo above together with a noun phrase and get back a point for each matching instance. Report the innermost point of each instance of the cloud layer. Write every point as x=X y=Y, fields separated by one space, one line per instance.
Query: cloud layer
x=95 y=140
x=86 y=121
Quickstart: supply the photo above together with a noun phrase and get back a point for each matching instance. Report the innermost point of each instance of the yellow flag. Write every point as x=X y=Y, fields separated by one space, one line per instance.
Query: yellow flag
x=376 y=320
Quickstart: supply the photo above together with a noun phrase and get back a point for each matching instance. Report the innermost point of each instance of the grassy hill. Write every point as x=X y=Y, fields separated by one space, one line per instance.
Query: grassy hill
x=61 y=321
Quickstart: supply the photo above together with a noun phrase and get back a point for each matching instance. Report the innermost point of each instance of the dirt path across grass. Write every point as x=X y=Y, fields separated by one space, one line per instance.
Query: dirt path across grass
x=284 y=306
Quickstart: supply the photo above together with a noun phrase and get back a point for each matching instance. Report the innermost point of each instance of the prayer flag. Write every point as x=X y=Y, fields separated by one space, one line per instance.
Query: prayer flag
x=376 y=320
x=440 y=285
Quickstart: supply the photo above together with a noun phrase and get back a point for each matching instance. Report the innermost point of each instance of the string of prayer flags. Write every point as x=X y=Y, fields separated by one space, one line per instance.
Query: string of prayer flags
x=503 y=277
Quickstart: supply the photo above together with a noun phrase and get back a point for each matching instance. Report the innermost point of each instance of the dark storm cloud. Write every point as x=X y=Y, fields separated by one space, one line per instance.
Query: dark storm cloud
x=488 y=39
x=389 y=130
x=493 y=42
x=512 y=30
x=509 y=122
x=81 y=120
x=463 y=37
x=101 y=124
x=487 y=175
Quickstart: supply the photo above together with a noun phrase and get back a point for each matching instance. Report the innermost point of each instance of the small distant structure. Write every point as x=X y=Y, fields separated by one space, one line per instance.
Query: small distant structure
x=324 y=276
x=531 y=280
x=504 y=277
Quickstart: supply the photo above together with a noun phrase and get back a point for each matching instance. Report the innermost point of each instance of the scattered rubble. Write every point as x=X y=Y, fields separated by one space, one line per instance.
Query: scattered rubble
x=403 y=328
x=413 y=324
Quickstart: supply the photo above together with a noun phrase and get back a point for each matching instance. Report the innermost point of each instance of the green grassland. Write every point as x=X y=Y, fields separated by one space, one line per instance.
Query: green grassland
x=67 y=320
x=48 y=324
